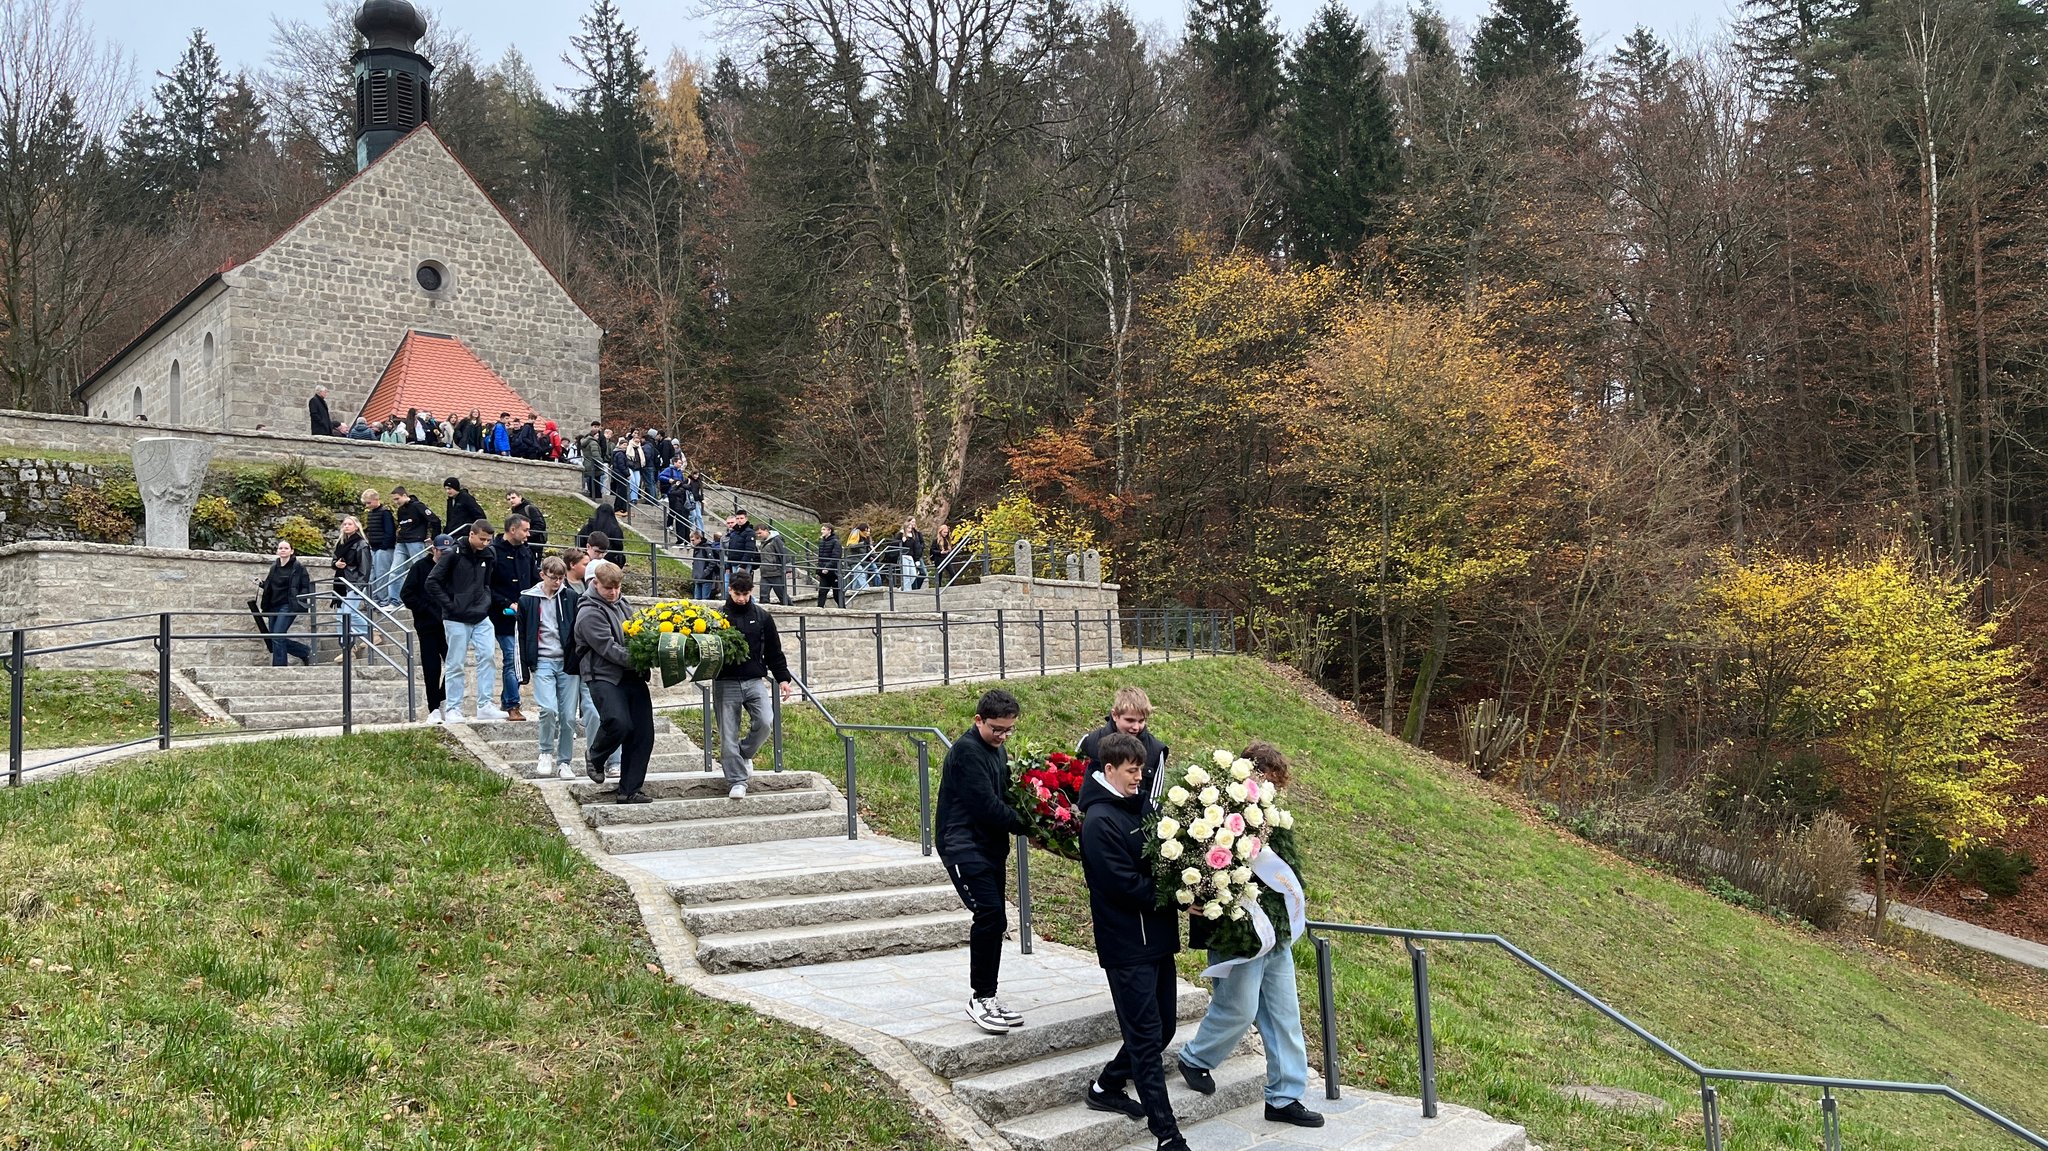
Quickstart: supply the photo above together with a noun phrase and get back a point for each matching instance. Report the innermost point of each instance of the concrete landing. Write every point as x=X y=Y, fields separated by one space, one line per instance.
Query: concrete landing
x=1361 y=1121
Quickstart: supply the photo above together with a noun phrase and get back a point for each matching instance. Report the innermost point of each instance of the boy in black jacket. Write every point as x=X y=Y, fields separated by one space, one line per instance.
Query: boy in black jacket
x=1130 y=712
x=1135 y=938
x=973 y=828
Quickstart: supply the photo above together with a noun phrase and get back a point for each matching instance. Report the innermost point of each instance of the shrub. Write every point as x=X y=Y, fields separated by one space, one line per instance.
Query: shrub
x=305 y=539
x=1052 y=531
x=214 y=519
x=339 y=492
x=1995 y=869
x=290 y=477
x=252 y=488
x=97 y=517
x=124 y=496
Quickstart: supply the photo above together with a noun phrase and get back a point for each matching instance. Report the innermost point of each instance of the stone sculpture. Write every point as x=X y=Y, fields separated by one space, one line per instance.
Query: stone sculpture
x=1091 y=566
x=169 y=471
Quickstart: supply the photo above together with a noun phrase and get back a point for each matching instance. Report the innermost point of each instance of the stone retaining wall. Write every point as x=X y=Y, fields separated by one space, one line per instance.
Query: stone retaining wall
x=32 y=497
x=39 y=431
x=56 y=581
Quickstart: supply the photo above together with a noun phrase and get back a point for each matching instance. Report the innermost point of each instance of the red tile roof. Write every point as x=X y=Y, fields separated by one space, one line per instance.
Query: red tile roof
x=435 y=373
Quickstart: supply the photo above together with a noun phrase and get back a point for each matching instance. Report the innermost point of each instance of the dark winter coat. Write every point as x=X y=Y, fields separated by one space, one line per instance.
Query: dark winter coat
x=1155 y=751
x=514 y=568
x=828 y=558
x=530 y=602
x=461 y=584
x=536 y=519
x=774 y=558
x=600 y=635
x=764 y=644
x=380 y=527
x=351 y=564
x=1131 y=929
x=706 y=562
x=740 y=551
x=973 y=819
x=414 y=522
x=319 y=417
x=463 y=510
x=286 y=587
x=413 y=594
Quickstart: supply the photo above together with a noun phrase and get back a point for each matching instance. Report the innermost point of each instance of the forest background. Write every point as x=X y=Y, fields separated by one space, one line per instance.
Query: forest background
x=1661 y=431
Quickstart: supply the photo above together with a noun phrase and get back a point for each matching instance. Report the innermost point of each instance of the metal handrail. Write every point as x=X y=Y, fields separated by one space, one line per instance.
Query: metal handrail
x=1710 y=1105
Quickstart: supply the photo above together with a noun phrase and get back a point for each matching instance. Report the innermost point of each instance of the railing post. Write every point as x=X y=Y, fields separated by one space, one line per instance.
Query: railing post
x=1023 y=895
x=1002 y=648
x=17 y=691
x=1191 y=635
x=878 y=653
x=1215 y=633
x=1109 y=636
x=653 y=572
x=348 y=667
x=775 y=730
x=1041 y=641
x=1077 y=639
x=1830 y=1122
x=163 y=682
x=1326 y=1004
x=852 y=801
x=412 y=689
x=803 y=649
x=1710 y=1110
x=924 y=793
x=945 y=649
x=1425 y=1033
x=1141 y=637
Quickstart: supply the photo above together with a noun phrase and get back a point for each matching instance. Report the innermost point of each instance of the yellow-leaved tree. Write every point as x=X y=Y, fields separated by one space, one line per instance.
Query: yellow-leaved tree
x=1436 y=455
x=1923 y=705
x=1768 y=618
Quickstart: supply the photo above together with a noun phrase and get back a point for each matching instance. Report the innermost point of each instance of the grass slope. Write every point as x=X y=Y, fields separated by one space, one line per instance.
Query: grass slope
x=365 y=943
x=91 y=708
x=1392 y=836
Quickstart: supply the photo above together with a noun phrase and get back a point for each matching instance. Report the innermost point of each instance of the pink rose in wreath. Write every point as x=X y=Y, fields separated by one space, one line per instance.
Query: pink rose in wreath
x=1252 y=847
x=1218 y=858
x=1235 y=823
x=1062 y=814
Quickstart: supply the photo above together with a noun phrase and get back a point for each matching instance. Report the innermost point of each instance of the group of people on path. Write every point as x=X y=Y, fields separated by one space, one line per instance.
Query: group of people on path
x=862 y=561
x=525 y=437
x=1135 y=937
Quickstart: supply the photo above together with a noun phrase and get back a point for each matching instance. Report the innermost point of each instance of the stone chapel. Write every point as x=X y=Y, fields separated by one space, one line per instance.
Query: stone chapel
x=407 y=258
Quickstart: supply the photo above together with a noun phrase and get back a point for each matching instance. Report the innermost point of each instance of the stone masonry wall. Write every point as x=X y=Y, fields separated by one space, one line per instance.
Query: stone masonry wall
x=197 y=344
x=328 y=301
x=32 y=497
x=53 y=582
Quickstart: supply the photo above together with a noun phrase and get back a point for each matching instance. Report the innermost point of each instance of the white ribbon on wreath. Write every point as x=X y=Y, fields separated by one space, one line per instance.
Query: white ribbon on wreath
x=1272 y=871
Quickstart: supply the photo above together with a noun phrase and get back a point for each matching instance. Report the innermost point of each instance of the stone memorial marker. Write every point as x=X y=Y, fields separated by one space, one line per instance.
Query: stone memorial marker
x=169 y=471
x=1022 y=554
x=1091 y=566
x=1073 y=567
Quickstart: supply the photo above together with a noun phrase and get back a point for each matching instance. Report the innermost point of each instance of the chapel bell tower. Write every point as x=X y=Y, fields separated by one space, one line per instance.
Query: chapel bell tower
x=391 y=76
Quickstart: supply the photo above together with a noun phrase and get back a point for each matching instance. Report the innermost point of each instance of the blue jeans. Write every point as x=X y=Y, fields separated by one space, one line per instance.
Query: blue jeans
x=461 y=638
x=352 y=609
x=402 y=564
x=1260 y=991
x=558 y=695
x=281 y=650
x=508 y=648
x=632 y=487
x=381 y=562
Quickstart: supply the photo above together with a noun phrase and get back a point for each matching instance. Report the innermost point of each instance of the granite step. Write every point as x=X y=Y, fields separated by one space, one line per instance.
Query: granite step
x=696 y=784
x=364 y=695
x=325 y=717
x=1073 y=1127
x=962 y=1049
x=743 y=915
x=817 y=882
x=681 y=836
x=679 y=810
x=1058 y=1079
x=832 y=942
x=506 y=731
x=1360 y=1121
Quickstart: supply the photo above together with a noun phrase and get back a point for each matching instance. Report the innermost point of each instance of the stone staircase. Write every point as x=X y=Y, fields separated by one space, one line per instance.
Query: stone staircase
x=781 y=904
x=519 y=745
x=265 y=698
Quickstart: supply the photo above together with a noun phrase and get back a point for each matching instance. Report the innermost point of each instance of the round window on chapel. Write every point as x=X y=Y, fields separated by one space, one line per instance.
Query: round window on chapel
x=431 y=276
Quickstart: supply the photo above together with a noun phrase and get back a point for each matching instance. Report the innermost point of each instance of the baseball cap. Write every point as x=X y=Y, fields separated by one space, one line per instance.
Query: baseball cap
x=444 y=542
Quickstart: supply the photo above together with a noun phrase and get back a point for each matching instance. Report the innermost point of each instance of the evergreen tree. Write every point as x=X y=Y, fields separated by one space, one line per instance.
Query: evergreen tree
x=1340 y=136
x=1239 y=47
x=1526 y=38
x=167 y=147
x=600 y=142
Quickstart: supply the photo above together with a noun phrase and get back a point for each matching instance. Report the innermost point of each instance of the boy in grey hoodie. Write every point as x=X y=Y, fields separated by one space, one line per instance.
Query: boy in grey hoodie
x=620 y=691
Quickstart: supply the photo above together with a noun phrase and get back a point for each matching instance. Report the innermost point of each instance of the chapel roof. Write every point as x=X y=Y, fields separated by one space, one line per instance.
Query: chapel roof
x=436 y=373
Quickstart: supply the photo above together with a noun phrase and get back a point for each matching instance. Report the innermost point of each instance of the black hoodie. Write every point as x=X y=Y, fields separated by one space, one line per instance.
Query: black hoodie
x=1155 y=752
x=973 y=818
x=1131 y=929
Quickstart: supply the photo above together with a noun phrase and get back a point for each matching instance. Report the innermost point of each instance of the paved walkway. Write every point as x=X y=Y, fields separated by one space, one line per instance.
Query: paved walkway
x=2012 y=947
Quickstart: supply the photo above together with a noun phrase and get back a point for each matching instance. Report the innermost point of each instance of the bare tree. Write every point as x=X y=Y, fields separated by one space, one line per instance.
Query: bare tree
x=65 y=249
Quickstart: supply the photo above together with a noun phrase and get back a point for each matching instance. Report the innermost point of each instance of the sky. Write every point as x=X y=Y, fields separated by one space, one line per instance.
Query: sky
x=153 y=32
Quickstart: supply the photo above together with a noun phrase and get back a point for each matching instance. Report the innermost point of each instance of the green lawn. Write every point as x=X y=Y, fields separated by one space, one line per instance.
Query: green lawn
x=1392 y=836
x=91 y=708
x=365 y=943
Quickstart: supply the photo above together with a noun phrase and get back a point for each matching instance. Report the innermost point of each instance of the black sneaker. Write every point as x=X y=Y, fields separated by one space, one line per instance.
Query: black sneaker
x=1113 y=1101
x=1293 y=1113
x=594 y=770
x=636 y=797
x=1197 y=1077
x=1173 y=1143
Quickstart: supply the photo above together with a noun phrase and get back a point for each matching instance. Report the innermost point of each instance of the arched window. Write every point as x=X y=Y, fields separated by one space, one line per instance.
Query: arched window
x=206 y=353
x=177 y=394
x=138 y=401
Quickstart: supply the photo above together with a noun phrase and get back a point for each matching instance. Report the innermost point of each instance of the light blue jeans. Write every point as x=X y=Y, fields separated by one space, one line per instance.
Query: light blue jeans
x=380 y=575
x=1260 y=991
x=462 y=637
x=558 y=695
x=355 y=610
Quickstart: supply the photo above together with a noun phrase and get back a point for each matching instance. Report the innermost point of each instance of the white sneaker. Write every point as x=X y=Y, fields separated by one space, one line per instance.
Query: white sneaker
x=547 y=764
x=454 y=717
x=434 y=716
x=569 y=772
x=488 y=714
x=981 y=1013
x=739 y=791
x=1004 y=1013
